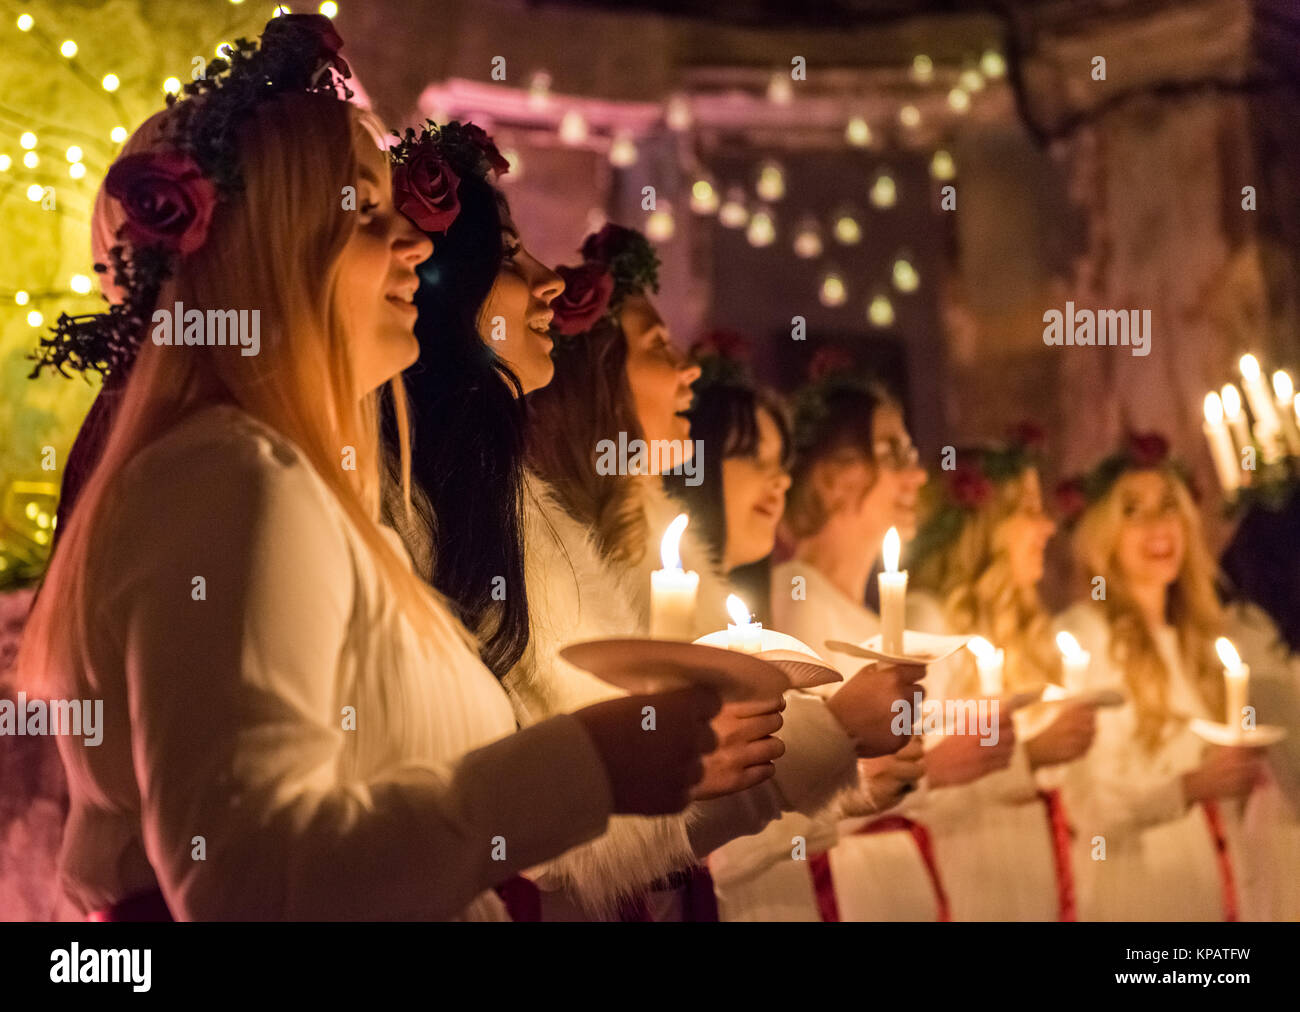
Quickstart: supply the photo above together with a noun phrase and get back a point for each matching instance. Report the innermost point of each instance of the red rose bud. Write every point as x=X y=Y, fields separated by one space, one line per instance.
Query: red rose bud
x=1070 y=500
x=586 y=295
x=1147 y=449
x=827 y=361
x=480 y=139
x=1027 y=434
x=166 y=200
x=970 y=488
x=722 y=343
x=424 y=189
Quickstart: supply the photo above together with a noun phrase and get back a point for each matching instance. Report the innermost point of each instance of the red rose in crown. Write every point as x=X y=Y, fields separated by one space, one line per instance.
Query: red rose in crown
x=424 y=189
x=166 y=198
x=585 y=299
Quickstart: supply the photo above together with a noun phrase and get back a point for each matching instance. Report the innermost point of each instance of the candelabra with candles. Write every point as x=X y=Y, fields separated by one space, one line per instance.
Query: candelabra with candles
x=1255 y=442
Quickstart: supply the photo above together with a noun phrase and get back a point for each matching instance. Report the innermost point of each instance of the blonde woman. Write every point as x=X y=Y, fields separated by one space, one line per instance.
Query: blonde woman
x=293 y=726
x=1003 y=844
x=1151 y=802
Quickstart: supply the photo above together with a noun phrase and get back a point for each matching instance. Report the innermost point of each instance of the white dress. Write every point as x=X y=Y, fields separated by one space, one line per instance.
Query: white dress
x=1160 y=858
x=878 y=876
x=574 y=594
x=226 y=776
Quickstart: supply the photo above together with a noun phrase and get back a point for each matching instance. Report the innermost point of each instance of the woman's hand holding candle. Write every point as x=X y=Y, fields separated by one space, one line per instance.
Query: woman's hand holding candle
x=864 y=706
x=747 y=747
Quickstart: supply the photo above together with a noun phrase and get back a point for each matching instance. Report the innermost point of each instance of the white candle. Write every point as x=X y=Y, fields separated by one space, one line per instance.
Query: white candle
x=1075 y=661
x=1284 y=392
x=990 y=663
x=1236 y=682
x=1236 y=419
x=1220 y=440
x=893 y=596
x=1267 y=425
x=742 y=635
x=672 y=591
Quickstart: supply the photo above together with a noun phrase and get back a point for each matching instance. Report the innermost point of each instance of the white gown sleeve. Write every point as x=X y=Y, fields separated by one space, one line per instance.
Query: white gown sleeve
x=235 y=735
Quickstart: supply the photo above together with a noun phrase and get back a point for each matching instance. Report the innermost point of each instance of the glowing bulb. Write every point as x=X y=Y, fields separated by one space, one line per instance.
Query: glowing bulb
x=118 y=135
x=779 y=89
x=883 y=191
x=909 y=116
x=660 y=225
x=81 y=284
x=959 y=100
x=1227 y=653
x=40 y=537
x=881 y=311
x=1283 y=388
x=905 y=277
x=31 y=160
x=891 y=549
x=1213 y=409
x=832 y=292
x=224 y=49
x=5 y=162
x=858 y=132
x=68 y=49
x=21 y=297
x=922 y=68
x=737 y=610
x=942 y=165
x=27 y=140
x=679 y=115
x=1231 y=402
x=622 y=152
x=42 y=519
x=1067 y=644
x=77 y=170
x=25 y=22
x=31 y=510
x=704 y=198
x=669 y=548
x=34 y=192
x=971 y=79
x=111 y=82
x=516 y=162
x=732 y=213
x=992 y=64
x=539 y=89
x=35 y=319
x=172 y=85
x=808 y=241
x=1249 y=366
x=761 y=230
x=329 y=8
x=74 y=154
x=847 y=230
x=280 y=10
x=981 y=648
x=771 y=182
x=573 y=127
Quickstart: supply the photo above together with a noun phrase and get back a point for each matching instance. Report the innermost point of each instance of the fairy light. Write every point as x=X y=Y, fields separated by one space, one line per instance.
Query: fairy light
x=172 y=85
x=21 y=297
x=880 y=311
x=118 y=134
x=31 y=159
x=884 y=193
x=111 y=82
x=771 y=182
x=573 y=127
x=779 y=89
x=959 y=100
x=858 y=132
x=808 y=240
x=516 y=162
x=905 y=277
x=27 y=140
x=704 y=197
x=5 y=162
x=922 y=68
x=971 y=80
x=34 y=192
x=942 y=166
x=733 y=213
x=329 y=8
x=992 y=64
x=68 y=49
x=623 y=152
x=910 y=116
x=539 y=89
x=77 y=170
x=223 y=49
x=847 y=230
x=678 y=115
x=80 y=284
x=660 y=225
x=832 y=291
x=34 y=318
x=761 y=230
x=74 y=153
x=25 y=22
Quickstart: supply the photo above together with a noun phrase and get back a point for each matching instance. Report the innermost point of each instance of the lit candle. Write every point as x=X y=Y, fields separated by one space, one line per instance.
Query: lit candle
x=1075 y=661
x=1267 y=425
x=743 y=635
x=1220 y=440
x=672 y=591
x=990 y=662
x=1236 y=418
x=893 y=596
x=1236 y=680
x=1284 y=392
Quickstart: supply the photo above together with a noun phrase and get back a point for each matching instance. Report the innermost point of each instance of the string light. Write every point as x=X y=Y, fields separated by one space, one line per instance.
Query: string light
x=922 y=68
x=910 y=116
x=679 y=115
x=35 y=192
x=808 y=239
x=34 y=318
x=21 y=297
x=660 y=225
x=5 y=162
x=68 y=49
x=880 y=311
x=118 y=135
x=992 y=64
x=573 y=127
x=858 y=132
x=80 y=284
x=25 y=22
x=942 y=165
x=74 y=154
x=329 y=8
x=516 y=162
x=771 y=182
x=971 y=80
x=27 y=140
x=223 y=49
x=733 y=213
x=905 y=277
x=77 y=170
x=832 y=291
x=172 y=85
x=959 y=100
x=847 y=230
x=539 y=89
x=761 y=230
x=883 y=191
x=31 y=159
x=704 y=196
x=779 y=89
x=111 y=82
x=622 y=152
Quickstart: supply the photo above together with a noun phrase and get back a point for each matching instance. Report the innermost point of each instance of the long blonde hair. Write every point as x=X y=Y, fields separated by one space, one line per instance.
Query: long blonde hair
x=275 y=247
x=973 y=579
x=1192 y=609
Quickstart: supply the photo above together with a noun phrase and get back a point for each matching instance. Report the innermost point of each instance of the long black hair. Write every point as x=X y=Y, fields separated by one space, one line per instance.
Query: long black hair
x=467 y=435
x=725 y=425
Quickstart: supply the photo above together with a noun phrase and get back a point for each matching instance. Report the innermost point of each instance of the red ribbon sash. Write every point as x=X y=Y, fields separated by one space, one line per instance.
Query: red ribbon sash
x=819 y=865
x=1059 y=823
x=1215 y=819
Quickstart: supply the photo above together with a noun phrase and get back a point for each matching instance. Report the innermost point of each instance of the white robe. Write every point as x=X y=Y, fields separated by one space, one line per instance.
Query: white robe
x=574 y=594
x=226 y=713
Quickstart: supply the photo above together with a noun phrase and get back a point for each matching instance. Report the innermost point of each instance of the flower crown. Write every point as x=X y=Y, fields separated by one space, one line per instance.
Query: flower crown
x=429 y=165
x=1142 y=451
x=723 y=358
x=616 y=262
x=973 y=482
x=168 y=196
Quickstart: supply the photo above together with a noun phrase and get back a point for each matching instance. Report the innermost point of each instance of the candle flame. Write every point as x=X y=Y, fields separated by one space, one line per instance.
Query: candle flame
x=669 y=549
x=1283 y=388
x=737 y=610
x=1067 y=644
x=1213 y=408
x=1249 y=365
x=981 y=648
x=1231 y=401
x=1228 y=654
x=891 y=549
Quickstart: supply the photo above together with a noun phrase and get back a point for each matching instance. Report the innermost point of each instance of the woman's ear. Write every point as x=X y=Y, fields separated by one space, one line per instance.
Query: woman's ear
x=827 y=477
